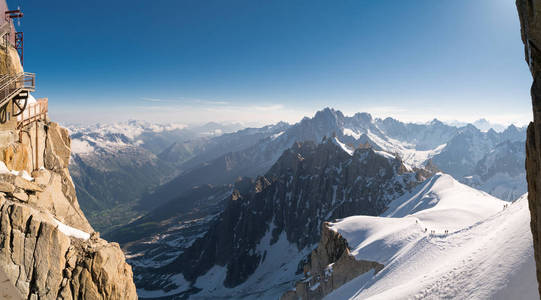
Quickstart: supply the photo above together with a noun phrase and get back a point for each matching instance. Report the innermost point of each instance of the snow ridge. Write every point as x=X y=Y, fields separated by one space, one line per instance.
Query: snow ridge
x=444 y=240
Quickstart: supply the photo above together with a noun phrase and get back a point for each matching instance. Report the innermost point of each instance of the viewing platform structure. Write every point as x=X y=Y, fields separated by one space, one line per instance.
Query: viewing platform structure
x=14 y=94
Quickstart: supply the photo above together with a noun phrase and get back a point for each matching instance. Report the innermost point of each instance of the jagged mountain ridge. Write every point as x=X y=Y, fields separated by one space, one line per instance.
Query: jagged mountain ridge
x=462 y=153
x=309 y=184
x=258 y=158
x=423 y=136
x=233 y=142
x=500 y=172
x=452 y=149
x=138 y=156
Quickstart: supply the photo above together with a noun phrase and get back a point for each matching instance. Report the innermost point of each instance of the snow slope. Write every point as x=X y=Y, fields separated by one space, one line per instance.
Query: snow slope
x=411 y=156
x=442 y=203
x=269 y=280
x=487 y=253
x=349 y=150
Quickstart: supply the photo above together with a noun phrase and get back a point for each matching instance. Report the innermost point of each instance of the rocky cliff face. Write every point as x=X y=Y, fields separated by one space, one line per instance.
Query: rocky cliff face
x=10 y=62
x=530 y=19
x=331 y=266
x=270 y=224
x=48 y=250
x=309 y=184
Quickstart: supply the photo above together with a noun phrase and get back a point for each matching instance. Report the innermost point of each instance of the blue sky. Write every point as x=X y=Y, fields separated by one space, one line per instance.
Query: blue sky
x=264 y=61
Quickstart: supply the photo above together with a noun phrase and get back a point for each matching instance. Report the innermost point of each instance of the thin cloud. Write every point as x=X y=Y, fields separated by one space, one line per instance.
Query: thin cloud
x=258 y=108
x=386 y=109
x=184 y=100
x=210 y=102
x=156 y=100
x=268 y=107
x=151 y=100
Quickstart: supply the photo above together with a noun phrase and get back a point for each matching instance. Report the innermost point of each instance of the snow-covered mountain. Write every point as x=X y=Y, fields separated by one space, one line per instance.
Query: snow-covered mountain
x=469 y=145
x=153 y=137
x=357 y=130
x=444 y=240
x=453 y=150
x=268 y=226
x=483 y=125
x=125 y=169
x=113 y=164
x=501 y=172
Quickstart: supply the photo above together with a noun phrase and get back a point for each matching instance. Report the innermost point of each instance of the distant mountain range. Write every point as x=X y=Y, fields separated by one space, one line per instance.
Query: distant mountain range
x=127 y=169
x=453 y=150
x=113 y=165
x=482 y=124
x=171 y=193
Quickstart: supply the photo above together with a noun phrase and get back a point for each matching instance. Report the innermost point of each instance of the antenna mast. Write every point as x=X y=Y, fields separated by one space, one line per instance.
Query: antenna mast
x=19 y=42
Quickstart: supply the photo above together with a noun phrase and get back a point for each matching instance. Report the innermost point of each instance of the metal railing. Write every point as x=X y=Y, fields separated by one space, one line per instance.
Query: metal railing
x=10 y=87
x=33 y=112
x=4 y=78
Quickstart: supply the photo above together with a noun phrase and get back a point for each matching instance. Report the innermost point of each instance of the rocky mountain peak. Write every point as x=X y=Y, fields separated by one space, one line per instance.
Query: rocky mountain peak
x=469 y=129
x=363 y=117
x=309 y=184
x=329 y=117
x=513 y=133
x=281 y=124
x=436 y=122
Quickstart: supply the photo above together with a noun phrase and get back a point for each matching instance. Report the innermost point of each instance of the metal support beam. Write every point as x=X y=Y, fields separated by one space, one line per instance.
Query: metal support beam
x=14 y=14
x=19 y=45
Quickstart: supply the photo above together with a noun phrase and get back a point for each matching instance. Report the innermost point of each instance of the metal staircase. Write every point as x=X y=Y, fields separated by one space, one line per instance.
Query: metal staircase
x=16 y=88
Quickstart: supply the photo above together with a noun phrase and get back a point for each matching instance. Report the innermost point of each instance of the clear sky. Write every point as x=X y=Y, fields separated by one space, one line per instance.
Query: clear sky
x=194 y=61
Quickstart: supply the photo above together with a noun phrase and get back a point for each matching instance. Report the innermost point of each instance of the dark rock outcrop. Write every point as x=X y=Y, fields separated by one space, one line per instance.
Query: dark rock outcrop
x=331 y=266
x=530 y=19
x=310 y=184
